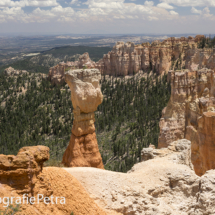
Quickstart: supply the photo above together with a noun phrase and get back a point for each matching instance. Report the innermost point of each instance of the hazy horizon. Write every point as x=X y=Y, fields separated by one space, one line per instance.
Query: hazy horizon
x=51 y=17
x=16 y=34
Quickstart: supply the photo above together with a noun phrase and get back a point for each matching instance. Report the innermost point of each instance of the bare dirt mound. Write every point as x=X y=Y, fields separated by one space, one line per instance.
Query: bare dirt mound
x=38 y=190
x=55 y=182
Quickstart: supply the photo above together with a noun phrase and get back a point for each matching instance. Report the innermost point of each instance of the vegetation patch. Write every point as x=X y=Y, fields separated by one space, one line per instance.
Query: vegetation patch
x=33 y=112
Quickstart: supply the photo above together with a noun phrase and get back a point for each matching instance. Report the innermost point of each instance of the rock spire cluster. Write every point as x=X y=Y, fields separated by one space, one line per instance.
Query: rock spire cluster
x=159 y=56
x=86 y=95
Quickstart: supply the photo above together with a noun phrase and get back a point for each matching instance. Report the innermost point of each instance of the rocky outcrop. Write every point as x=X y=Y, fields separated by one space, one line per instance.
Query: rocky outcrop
x=203 y=144
x=86 y=96
x=56 y=73
x=190 y=114
x=38 y=190
x=84 y=61
x=164 y=184
x=200 y=58
x=21 y=171
x=13 y=72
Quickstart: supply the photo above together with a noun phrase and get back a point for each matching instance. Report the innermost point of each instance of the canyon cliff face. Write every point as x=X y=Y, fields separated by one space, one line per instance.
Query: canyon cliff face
x=172 y=53
x=190 y=114
x=86 y=95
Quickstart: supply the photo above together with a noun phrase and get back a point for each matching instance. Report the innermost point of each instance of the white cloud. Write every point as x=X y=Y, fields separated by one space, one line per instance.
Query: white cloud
x=42 y=13
x=9 y=3
x=96 y=11
x=74 y=2
x=59 y=10
x=77 y=2
x=149 y=3
x=54 y=12
x=105 y=4
x=206 y=10
x=191 y=3
x=118 y=9
x=24 y=3
x=172 y=12
x=65 y=19
x=151 y=18
x=13 y=14
x=12 y=11
x=165 y=6
x=37 y=15
x=194 y=10
x=41 y=3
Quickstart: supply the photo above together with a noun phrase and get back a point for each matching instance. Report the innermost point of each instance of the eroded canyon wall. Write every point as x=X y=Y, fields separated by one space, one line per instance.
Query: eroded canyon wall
x=190 y=114
x=128 y=58
x=86 y=95
x=172 y=53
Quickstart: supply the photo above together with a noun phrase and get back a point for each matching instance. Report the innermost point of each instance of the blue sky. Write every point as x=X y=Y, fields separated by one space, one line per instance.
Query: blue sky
x=107 y=16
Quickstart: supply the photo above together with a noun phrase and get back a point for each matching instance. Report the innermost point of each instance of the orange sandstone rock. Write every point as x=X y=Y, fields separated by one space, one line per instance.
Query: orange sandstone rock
x=203 y=146
x=86 y=95
x=23 y=175
x=83 y=151
x=85 y=61
x=190 y=114
x=20 y=171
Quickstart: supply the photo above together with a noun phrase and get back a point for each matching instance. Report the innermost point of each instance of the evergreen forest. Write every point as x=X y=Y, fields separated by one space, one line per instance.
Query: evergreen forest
x=33 y=112
x=207 y=42
x=42 y=62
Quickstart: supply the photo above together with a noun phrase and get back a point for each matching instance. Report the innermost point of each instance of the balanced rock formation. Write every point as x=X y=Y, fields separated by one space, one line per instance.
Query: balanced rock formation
x=164 y=184
x=38 y=190
x=190 y=114
x=86 y=95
